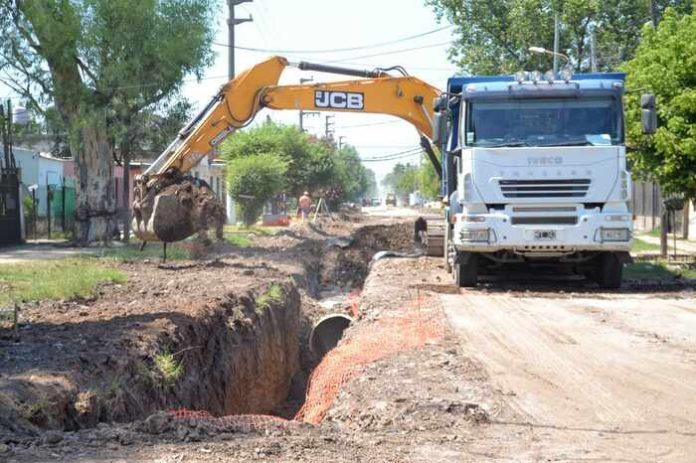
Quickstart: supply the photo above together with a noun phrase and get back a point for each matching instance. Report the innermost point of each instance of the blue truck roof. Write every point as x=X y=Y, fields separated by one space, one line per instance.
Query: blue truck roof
x=497 y=83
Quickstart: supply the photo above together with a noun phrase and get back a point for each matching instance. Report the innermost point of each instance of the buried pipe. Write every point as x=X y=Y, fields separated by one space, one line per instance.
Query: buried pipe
x=327 y=332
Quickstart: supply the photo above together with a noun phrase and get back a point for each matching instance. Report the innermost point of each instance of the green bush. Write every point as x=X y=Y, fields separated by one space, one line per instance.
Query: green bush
x=253 y=180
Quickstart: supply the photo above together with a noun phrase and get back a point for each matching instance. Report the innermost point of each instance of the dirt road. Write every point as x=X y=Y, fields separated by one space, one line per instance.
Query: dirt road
x=596 y=376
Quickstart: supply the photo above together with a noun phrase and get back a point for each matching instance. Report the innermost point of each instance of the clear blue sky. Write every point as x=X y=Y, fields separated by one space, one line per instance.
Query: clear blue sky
x=331 y=24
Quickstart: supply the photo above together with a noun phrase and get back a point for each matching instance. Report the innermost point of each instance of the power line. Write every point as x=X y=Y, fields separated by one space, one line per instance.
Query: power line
x=335 y=50
x=392 y=52
x=451 y=70
x=353 y=126
x=394 y=156
x=401 y=158
x=384 y=146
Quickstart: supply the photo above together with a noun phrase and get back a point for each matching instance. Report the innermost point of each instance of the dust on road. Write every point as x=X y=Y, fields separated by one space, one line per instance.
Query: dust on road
x=599 y=376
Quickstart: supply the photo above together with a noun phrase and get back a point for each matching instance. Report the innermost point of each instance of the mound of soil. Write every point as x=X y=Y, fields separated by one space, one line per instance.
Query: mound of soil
x=200 y=335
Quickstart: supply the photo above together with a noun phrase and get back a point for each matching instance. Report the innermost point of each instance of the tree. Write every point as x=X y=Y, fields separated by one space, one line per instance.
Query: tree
x=309 y=161
x=253 y=180
x=101 y=62
x=493 y=36
x=665 y=64
x=428 y=181
x=352 y=180
x=402 y=180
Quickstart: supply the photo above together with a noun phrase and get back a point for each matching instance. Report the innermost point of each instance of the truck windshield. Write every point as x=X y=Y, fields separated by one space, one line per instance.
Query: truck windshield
x=544 y=122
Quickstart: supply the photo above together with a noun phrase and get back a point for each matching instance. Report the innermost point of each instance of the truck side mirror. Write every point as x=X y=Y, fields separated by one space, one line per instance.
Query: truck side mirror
x=648 y=113
x=440 y=129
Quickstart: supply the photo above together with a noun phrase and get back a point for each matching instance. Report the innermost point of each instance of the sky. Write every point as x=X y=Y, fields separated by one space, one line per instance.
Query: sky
x=303 y=26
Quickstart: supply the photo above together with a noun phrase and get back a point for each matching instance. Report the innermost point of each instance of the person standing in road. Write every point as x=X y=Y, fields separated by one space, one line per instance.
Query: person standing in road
x=305 y=203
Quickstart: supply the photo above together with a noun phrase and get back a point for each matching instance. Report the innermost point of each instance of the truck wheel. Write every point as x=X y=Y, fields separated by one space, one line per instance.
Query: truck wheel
x=447 y=246
x=609 y=271
x=466 y=273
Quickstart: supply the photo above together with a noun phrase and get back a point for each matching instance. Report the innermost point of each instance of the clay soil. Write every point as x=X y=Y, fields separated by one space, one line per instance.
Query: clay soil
x=521 y=371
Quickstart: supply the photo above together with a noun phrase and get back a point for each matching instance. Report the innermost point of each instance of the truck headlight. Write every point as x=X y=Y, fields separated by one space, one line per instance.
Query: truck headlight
x=615 y=234
x=474 y=235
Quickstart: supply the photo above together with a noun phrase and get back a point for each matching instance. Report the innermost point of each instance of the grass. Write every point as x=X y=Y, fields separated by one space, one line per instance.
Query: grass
x=241 y=241
x=273 y=294
x=54 y=279
x=255 y=230
x=657 y=270
x=655 y=232
x=643 y=246
x=168 y=367
x=239 y=236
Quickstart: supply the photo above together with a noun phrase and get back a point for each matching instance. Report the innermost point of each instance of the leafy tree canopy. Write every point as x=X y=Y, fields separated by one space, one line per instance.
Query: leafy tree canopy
x=409 y=178
x=100 y=63
x=493 y=36
x=253 y=180
x=665 y=64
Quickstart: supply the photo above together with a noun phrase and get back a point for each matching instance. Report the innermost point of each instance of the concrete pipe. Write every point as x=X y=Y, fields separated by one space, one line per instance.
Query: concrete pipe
x=327 y=332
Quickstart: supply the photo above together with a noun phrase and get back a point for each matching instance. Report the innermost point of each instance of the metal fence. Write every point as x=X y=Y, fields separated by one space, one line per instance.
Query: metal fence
x=49 y=211
x=10 y=224
x=648 y=207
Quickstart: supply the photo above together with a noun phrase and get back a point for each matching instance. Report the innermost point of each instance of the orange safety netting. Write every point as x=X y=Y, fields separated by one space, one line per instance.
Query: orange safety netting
x=368 y=343
x=410 y=328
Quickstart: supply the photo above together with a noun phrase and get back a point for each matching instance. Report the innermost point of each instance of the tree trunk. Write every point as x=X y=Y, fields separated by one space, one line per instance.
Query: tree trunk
x=96 y=208
x=685 y=220
x=126 y=193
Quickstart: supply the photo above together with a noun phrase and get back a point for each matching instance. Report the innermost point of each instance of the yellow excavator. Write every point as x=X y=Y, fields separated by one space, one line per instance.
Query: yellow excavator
x=171 y=206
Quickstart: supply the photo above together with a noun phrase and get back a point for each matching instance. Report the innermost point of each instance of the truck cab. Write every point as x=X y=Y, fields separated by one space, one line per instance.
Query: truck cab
x=536 y=174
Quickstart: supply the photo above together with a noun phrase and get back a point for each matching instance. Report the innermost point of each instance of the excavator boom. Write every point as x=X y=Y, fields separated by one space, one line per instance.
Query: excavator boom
x=236 y=104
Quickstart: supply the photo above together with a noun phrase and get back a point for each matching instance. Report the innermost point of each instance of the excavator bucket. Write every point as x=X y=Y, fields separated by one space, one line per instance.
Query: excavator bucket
x=176 y=212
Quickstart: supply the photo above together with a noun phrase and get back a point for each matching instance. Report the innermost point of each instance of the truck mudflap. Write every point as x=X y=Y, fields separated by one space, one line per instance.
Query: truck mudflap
x=624 y=257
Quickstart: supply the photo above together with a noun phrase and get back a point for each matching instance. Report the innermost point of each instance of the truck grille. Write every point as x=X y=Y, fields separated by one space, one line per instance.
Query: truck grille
x=560 y=220
x=552 y=188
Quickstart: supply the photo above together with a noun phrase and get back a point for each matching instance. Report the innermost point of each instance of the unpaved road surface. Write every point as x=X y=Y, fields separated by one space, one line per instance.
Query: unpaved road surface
x=595 y=376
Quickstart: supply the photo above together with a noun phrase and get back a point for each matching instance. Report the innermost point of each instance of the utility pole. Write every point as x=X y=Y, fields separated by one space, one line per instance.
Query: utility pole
x=340 y=141
x=593 y=49
x=654 y=13
x=555 y=42
x=304 y=80
x=231 y=23
x=328 y=126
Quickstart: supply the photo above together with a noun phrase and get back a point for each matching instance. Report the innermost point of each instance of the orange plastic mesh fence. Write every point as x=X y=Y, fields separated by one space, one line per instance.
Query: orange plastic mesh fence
x=411 y=327
x=387 y=336
x=354 y=302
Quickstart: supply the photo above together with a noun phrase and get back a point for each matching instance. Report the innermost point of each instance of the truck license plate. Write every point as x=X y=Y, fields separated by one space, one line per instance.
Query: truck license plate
x=545 y=235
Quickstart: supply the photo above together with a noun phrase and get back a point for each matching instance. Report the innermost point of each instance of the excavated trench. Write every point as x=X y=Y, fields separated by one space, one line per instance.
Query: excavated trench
x=249 y=353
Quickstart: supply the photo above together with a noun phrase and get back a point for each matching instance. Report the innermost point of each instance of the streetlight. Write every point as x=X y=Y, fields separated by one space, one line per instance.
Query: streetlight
x=567 y=71
x=549 y=52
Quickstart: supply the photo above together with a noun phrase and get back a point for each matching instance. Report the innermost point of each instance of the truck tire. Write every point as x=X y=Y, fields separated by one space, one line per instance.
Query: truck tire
x=609 y=271
x=465 y=271
x=447 y=246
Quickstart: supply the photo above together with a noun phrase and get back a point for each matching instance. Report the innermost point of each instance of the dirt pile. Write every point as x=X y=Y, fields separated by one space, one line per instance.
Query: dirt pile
x=223 y=341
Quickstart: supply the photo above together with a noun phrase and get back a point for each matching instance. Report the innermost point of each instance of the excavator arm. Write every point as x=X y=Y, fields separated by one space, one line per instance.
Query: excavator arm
x=235 y=106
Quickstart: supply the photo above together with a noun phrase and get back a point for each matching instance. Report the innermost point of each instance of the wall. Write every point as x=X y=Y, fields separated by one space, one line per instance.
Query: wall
x=27 y=160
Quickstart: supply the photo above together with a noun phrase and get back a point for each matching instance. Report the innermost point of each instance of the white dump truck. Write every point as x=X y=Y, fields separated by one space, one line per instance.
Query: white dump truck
x=534 y=168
